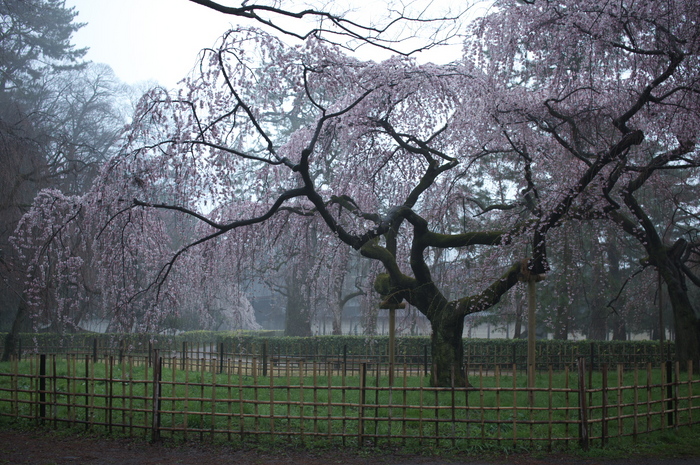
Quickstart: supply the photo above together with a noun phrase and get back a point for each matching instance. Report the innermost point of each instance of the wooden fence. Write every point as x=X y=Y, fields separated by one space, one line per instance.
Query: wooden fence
x=236 y=399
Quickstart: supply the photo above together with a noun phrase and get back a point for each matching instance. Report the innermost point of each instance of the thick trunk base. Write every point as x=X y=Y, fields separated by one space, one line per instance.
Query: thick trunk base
x=448 y=354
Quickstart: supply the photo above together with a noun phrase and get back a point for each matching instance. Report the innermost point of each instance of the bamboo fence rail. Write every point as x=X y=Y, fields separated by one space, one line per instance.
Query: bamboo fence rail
x=239 y=399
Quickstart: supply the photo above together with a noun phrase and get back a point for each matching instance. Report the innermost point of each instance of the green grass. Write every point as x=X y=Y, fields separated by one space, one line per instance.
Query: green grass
x=315 y=411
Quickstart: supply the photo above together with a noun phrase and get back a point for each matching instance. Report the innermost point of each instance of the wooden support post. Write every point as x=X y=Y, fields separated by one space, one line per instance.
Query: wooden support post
x=155 y=424
x=221 y=357
x=670 y=402
x=582 y=405
x=345 y=359
x=392 y=305
x=392 y=340
x=264 y=358
x=531 y=332
x=530 y=279
x=662 y=329
x=361 y=407
x=42 y=387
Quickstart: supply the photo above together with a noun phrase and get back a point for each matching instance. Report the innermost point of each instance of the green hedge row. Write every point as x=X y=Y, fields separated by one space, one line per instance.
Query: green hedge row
x=409 y=349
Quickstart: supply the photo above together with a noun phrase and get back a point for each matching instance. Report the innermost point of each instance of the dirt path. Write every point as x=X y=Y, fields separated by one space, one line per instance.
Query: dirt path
x=42 y=448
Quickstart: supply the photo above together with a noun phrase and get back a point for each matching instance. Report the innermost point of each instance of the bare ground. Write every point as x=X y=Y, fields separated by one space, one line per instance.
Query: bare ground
x=39 y=447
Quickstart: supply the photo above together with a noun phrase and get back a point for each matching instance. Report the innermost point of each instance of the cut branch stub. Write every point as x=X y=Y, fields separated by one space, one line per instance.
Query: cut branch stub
x=526 y=273
x=392 y=303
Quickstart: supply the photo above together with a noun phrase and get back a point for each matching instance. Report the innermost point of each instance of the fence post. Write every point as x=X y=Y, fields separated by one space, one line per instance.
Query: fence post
x=94 y=350
x=345 y=359
x=87 y=392
x=361 y=408
x=157 y=368
x=221 y=357
x=582 y=406
x=109 y=374
x=264 y=358
x=42 y=387
x=122 y=349
x=425 y=359
x=605 y=404
x=669 y=392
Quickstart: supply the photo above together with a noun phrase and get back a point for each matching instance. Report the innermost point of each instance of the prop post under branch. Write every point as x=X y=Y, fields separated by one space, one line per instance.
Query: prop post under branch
x=391 y=305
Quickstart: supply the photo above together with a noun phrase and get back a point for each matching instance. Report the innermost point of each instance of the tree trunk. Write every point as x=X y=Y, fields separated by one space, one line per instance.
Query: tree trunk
x=337 y=326
x=617 y=321
x=297 y=319
x=369 y=318
x=561 y=324
x=685 y=321
x=599 y=325
x=447 y=350
x=18 y=325
x=619 y=328
x=517 y=331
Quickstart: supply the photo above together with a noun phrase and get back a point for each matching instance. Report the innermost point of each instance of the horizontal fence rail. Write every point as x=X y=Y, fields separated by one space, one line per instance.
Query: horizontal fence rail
x=164 y=395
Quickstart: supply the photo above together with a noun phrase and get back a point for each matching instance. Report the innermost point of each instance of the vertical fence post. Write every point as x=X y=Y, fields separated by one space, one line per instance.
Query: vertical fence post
x=264 y=358
x=425 y=358
x=87 y=392
x=221 y=357
x=109 y=374
x=122 y=349
x=582 y=405
x=157 y=368
x=605 y=404
x=361 y=408
x=42 y=387
x=669 y=392
x=94 y=350
x=345 y=359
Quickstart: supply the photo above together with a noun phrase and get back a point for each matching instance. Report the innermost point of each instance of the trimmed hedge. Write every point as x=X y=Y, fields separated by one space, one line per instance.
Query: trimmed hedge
x=409 y=349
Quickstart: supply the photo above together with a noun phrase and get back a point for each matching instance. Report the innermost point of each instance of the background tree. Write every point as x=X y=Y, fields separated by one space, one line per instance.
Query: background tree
x=34 y=41
x=60 y=120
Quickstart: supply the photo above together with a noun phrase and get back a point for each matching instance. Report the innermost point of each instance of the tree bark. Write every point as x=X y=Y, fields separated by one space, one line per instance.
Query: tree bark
x=517 y=331
x=685 y=321
x=297 y=318
x=18 y=325
x=447 y=349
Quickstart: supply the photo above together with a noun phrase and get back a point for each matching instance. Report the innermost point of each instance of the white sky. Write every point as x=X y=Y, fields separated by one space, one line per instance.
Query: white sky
x=147 y=39
x=155 y=40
